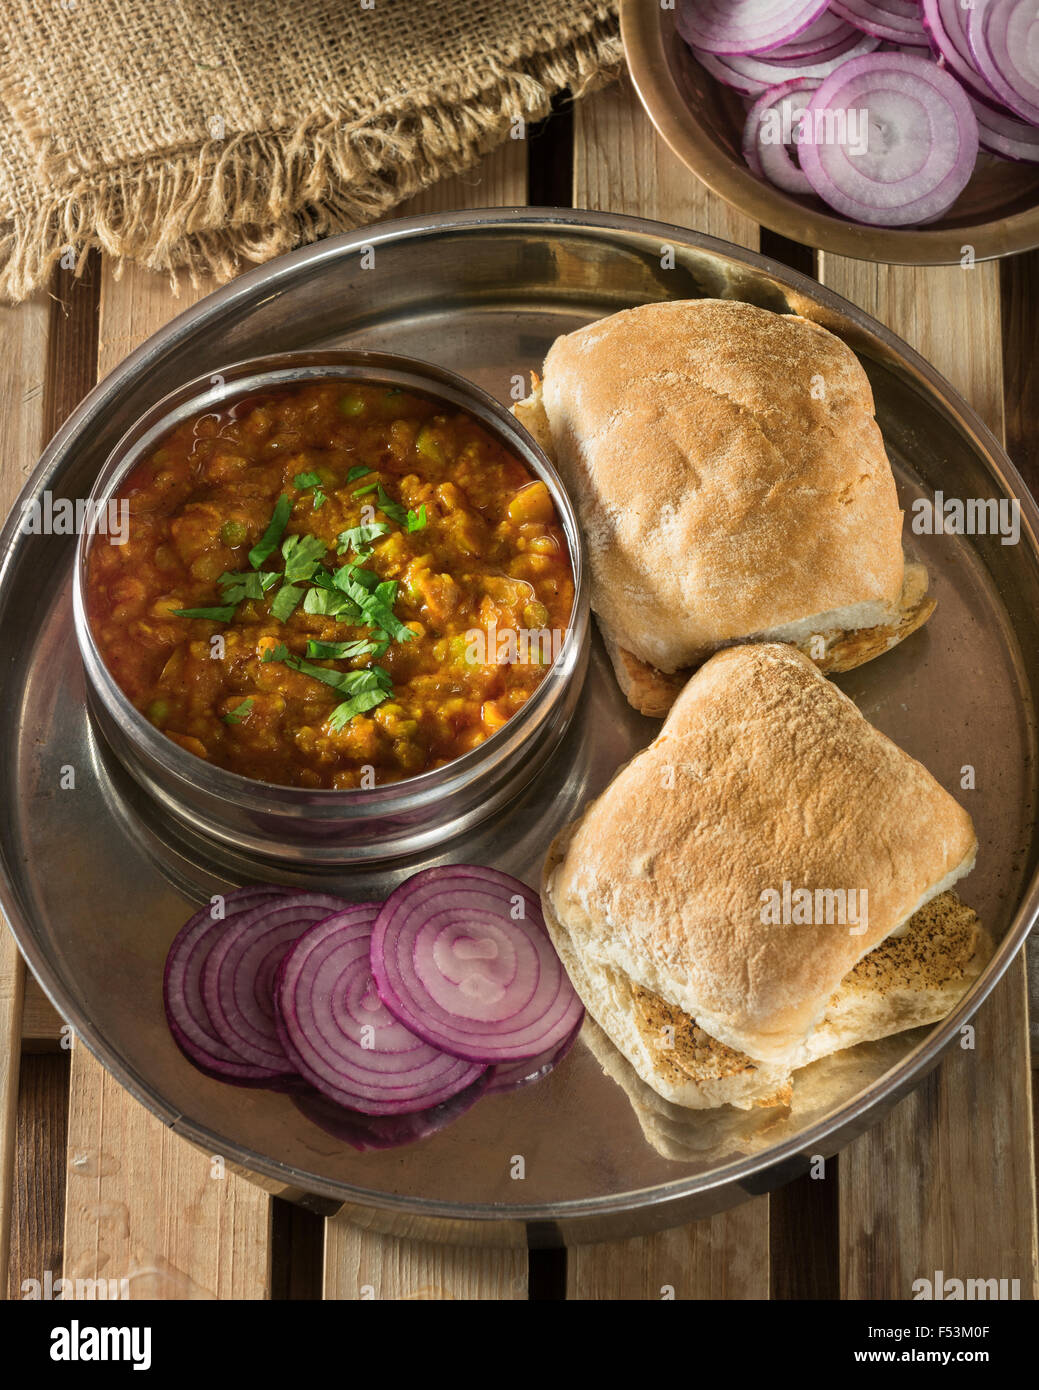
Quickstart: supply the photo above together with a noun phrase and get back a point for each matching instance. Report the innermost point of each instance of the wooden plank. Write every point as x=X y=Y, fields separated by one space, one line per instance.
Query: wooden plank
x=1019 y=281
x=38 y=1187
x=12 y=976
x=142 y=1204
x=947 y=1181
x=803 y=1247
x=41 y=1022
x=361 y=1263
x=621 y=165
x=1019 y=286
x=499 y=180
x=724 y=1257
x=23 y=354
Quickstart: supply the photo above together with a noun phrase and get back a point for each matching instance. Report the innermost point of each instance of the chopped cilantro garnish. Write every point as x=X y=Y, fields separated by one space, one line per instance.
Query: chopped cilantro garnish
x=358 y=471
x=286 y=601
x=359 y=537
x=330 y=603
x=340 y=651
x=360 y=492
x=213 y=615
x=271 y=538
x=349 y=682
x=239 y=712
x=307 y=481
x=393 y=510
x=246 y=584
x=357 y=704
x=302 y=554
x=354 y=574
x=386 y=592
x=375 y=611
x=416 y=521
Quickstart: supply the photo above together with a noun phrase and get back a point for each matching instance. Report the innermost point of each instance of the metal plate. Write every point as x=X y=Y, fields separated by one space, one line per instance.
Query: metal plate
x=97 y=882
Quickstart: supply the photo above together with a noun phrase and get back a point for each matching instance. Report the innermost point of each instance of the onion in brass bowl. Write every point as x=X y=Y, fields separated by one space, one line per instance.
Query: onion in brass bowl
x=703 y=121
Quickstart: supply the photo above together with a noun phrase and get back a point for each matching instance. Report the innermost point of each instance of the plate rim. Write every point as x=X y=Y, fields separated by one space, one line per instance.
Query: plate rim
x=748 y=1171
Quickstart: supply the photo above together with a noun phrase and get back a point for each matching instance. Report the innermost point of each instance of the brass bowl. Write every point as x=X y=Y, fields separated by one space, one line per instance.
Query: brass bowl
x=702 y=121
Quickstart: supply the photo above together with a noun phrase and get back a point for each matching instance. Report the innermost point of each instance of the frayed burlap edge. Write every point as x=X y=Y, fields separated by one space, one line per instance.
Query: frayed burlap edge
x=206 y=211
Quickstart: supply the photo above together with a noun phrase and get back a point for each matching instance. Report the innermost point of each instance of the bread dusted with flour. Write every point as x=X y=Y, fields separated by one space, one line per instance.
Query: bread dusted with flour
x=732 y=485
x=765 y=783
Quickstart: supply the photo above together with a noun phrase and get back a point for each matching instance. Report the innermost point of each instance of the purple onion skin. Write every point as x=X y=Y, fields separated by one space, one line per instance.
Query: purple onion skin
x=376 y=1132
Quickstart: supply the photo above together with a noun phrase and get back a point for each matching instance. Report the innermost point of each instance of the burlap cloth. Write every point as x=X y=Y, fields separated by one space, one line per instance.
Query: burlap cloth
x=197 y=134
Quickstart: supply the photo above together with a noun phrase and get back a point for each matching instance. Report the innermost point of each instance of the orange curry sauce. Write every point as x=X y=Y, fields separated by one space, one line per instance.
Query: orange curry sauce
x=467 y=537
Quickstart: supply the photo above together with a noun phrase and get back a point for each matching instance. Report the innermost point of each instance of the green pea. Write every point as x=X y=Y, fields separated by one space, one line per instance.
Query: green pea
x=233 y=533
x=535 y=615
x=351 y=404
x=159 y=711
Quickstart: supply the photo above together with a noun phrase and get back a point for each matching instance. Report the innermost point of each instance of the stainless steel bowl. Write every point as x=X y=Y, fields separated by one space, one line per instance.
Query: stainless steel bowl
x=324 y=827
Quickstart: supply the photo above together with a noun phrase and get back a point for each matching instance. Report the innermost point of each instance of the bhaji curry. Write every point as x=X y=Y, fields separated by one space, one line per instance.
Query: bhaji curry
x=303 y=576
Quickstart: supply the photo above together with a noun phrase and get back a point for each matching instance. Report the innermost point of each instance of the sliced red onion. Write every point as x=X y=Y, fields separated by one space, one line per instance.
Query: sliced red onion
x=745 y=26
x=461 y=956
x=828 y=32
x=510 y=1076
x=342 y=1038
x=946 y=23
x=238 y=976
x=1004 y=40
x=186 y=1013
x=1005 y=136
x=775 y=116
x=923 y=141
x=720 y=70
x=753 y=75
x=374 y=1132
x=913 y=50
x=750 y=154
x=897 y=20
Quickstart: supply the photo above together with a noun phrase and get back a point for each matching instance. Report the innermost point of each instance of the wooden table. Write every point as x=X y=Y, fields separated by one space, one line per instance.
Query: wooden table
x=94 y=1186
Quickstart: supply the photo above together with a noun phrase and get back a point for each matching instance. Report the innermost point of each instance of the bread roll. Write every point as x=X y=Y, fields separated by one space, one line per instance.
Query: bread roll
x=764 y=782
x=731 y=484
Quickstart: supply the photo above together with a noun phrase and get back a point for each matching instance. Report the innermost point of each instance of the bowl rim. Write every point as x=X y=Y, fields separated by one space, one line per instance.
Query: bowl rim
x=245 y=377
x=643 y=37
